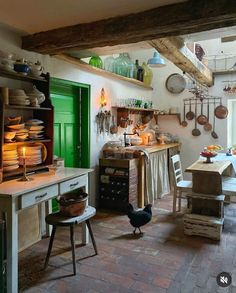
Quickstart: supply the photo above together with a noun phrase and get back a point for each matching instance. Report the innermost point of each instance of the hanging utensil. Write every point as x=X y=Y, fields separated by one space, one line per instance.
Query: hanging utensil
x=202 y=119
x=221 y=112
x=113 y=128
x=190 y=114
x=213 y=133
x=208 y=126
x=184 y=123
x=196 y=131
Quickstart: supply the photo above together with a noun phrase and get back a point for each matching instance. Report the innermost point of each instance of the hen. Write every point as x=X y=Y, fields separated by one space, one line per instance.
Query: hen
x=139 y=218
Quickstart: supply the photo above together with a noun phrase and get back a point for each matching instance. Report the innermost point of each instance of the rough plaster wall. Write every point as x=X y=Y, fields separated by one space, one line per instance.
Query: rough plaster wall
x=191 y=146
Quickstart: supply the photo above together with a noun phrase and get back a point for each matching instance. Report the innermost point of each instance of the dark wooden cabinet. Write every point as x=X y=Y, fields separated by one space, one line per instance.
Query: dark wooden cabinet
x=118 y=183
x=44 y=112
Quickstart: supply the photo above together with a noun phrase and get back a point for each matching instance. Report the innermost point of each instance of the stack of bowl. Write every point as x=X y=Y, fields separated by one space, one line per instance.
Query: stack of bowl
x=15 y=127
x=18 y=97
x=6 y=61
x=10 y=160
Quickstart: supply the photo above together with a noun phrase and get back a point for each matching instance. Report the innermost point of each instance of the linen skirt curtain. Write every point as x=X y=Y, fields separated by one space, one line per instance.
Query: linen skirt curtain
x=156 y=176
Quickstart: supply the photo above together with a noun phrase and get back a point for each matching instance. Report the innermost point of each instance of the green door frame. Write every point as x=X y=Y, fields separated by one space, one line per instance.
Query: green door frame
x=55 y=85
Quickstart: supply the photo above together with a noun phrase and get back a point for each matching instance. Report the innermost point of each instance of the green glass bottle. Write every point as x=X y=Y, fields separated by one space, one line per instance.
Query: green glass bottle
x=140 y=71
x=96 y=61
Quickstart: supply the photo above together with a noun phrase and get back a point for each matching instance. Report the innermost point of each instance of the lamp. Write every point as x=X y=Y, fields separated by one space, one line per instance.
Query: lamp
x=156 y=60
x=103 y=100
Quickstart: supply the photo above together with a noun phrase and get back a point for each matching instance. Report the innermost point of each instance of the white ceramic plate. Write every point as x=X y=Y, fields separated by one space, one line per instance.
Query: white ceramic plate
x=10 y=168
x=34 y=122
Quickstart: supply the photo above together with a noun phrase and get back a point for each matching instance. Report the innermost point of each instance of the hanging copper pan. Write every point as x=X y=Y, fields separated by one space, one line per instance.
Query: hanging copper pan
x=221 y=112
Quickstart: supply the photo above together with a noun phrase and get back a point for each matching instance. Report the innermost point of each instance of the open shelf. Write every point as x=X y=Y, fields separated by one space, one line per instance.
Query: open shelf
x=102 y=72
x=18 y=76
x=134 y=109
x=26 y=142
x=26 y=107
x=176 y=114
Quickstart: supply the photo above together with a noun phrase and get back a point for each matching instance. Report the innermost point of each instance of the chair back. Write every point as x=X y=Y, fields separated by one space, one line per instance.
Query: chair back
x=176 y=169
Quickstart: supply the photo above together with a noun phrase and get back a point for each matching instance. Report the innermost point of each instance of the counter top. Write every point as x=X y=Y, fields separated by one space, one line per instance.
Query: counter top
x=15 y=187
x=155 y=147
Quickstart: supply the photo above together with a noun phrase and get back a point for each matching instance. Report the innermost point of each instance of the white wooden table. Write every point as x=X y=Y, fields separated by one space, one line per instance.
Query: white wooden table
x=16 y=195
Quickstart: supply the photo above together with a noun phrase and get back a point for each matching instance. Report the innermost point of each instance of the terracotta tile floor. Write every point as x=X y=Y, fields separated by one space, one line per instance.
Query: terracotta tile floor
x=162 y=260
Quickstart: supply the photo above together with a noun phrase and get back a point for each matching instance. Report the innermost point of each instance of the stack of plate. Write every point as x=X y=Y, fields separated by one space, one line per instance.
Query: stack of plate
x=10 y=160
x=35 y=129
x=20 y=131
x=33 y=155
x=18 y=97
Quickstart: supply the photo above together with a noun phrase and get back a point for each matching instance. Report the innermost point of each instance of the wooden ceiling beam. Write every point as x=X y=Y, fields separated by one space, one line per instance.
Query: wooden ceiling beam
x=170 y=20
x=172 y=49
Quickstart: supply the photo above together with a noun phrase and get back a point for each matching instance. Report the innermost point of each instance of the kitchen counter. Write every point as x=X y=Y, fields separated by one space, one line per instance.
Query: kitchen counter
x=17 y=196
x=171 y=148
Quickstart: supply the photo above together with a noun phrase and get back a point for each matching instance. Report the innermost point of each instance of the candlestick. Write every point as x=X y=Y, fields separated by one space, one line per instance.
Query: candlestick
x=24 y=177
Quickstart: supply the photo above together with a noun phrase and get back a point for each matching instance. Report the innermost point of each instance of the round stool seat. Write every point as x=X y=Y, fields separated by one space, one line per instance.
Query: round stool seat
x=59 y=220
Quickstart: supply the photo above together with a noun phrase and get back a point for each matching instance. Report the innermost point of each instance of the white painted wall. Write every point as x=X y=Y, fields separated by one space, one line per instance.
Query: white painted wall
x=191 y=146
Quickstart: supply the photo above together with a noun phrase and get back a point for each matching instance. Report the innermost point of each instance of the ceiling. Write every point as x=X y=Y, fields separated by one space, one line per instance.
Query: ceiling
x=30 y=17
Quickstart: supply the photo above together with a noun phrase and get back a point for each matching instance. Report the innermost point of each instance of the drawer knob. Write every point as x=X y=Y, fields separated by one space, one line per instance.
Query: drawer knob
x=38 y=197
x=74 y=184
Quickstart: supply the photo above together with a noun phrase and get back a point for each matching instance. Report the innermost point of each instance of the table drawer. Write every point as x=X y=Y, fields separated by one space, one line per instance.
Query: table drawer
x=39 y=195
x=72 y=184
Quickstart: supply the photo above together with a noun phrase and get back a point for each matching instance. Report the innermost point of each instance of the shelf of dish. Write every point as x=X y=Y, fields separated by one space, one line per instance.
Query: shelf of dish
x=30 y=170
x=102 y=72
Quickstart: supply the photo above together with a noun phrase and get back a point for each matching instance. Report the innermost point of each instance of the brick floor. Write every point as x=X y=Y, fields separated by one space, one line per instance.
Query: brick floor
x=162 y=260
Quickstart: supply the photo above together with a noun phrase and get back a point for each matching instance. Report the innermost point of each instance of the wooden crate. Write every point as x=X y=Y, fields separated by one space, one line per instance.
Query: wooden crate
x=205 y=226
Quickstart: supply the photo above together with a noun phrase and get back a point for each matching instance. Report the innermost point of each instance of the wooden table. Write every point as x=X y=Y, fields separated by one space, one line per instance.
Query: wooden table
x=207 y=178
x=16 y=196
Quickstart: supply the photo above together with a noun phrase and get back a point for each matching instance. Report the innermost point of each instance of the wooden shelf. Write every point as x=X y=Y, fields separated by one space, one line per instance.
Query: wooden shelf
x=177 y=114
x=26 y=142
x=133 y=109
x=221 y=72
x=26 y=107
x=102 y=72
x=18 y=76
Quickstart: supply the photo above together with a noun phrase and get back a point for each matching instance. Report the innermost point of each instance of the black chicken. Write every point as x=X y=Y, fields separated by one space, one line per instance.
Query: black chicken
x=140 y=217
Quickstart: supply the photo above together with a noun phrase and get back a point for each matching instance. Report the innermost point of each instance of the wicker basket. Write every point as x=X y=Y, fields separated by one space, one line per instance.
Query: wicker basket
x=72 y=204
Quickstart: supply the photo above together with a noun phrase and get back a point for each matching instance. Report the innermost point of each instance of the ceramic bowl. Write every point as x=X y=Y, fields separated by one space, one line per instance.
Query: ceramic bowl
x=21 y=68
x=9 y=135
x=16 y=126
x=16 y=93
x=14 y=120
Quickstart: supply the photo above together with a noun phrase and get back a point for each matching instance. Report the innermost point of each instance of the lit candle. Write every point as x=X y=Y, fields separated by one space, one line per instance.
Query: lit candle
x=24 y=152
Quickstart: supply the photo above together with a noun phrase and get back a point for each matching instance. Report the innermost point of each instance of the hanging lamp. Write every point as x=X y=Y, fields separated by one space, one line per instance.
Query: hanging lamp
x=156 y=60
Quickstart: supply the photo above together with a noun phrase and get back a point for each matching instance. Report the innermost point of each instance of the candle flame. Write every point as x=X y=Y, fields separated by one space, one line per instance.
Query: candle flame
x=23 y=152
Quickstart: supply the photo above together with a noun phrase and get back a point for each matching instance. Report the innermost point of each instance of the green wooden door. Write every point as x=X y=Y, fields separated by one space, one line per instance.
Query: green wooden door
x=71 y=123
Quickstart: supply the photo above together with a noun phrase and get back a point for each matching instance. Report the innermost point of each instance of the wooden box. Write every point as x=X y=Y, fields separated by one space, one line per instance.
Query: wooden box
x=205 y=226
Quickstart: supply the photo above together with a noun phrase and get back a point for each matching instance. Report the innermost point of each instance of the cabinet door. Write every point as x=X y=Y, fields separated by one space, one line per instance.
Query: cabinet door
x=67 y=128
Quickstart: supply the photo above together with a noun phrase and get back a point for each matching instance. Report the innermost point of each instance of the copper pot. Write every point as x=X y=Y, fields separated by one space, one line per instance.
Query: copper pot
x=221 y=112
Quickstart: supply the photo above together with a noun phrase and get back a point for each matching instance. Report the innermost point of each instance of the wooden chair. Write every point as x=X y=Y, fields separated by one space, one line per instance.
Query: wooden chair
x=56 y=219
x=180 y=185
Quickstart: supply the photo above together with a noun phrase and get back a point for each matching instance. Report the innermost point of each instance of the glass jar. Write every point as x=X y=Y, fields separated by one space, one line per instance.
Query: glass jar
x=148 y=75
x=96 y=61
x=109 y=64
x=121 y=65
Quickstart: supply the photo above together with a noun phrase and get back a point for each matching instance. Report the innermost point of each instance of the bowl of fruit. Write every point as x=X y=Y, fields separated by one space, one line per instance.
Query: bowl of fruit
x=210 y=151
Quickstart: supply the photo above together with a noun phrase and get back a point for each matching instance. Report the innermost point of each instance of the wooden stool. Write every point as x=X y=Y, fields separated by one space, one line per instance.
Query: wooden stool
x=56 y=219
